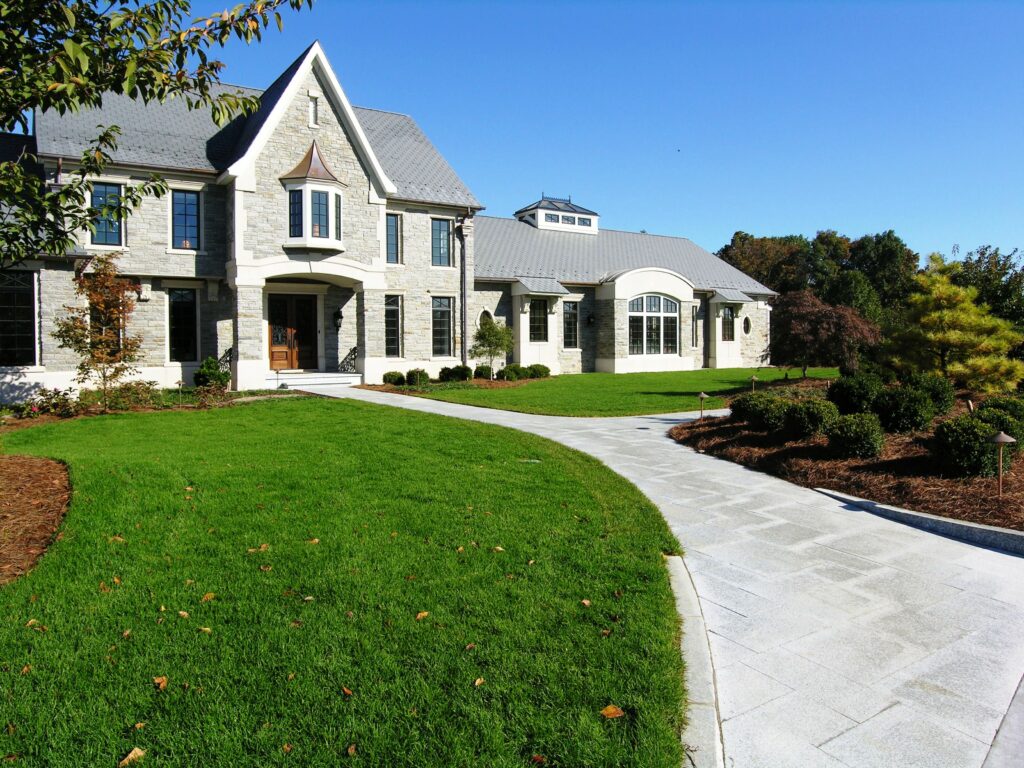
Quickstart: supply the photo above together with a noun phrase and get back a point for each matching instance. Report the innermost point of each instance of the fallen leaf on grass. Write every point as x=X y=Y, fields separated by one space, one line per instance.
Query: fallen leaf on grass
x=313 y=541
x=132 y=757
x=10 y=757
x=478 y=682
x=538 y=759
x=26 y=669
x=460 y=550
x=104 y=587
x=530 y=562
x=296 y=623
x=139 y=726
x=160 y=682
x=422 y=615
x=585 y=603
x=117 y=581
x=266 y=568
x=611 y=712
x=183 y=614
x=206 y=630
x=207 y=597
x=116 y=540
x=605 y=632
x=260 y=548
x=291 y=676
x=351 y=750
x=498 y=549
x=346 y=691
x=470 y=646
x=286 y=748
x=308 y=599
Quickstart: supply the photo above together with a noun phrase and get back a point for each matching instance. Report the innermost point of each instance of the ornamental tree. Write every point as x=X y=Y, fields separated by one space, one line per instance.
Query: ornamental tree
x=949 y=332
x=96 y=330
x=64 y=56
x=491 y=341
x=806 y=331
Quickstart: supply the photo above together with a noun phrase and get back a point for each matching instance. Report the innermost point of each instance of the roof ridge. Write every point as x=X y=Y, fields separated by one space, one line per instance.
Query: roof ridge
x=385 y=111
x=603 y=229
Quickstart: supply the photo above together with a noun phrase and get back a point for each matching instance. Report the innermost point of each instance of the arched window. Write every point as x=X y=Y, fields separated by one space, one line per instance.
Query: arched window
x=653 y=325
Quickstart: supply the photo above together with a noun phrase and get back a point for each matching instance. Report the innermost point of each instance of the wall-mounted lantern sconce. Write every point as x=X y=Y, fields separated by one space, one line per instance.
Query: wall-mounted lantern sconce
x=338 y=317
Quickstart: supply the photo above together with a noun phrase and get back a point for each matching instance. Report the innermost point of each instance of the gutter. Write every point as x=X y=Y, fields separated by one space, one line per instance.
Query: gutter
x=463 y=287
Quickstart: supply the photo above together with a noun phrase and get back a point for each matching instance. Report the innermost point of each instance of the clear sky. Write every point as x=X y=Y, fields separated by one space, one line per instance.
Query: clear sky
x=700 y=119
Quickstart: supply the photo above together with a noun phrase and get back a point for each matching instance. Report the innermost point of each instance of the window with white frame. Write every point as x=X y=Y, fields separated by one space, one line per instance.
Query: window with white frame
x=314 y=112
x=183 y=325
x=653 y=325
x=315 y=216
x=17 y=318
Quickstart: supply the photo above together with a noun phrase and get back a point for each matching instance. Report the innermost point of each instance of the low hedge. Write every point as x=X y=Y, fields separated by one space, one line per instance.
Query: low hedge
x=856 y=436
x=538 y=371
x=761 y=410
x=902 y=409
x=482 y=372
x=416 y=377
x=455 y=373
x=960 y=447
x=855 y=394
x=806 y=418
x=742 y=407
x=939 y=389
x=1014 y=406
x=394 y=378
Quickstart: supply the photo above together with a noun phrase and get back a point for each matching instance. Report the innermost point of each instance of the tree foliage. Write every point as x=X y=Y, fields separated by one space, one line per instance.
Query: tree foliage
x=998 y=278
x=806 y=331
x=851 y=288
x=949 y=332
x=781 y=263
x=65 y=56
x=96 y=329
x=491 y=341
x=887 y=262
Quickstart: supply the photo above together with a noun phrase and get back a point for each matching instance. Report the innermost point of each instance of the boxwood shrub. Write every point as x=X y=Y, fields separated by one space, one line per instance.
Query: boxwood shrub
x=806 y=418
x=455 y=373
x=902 y=409
x=1011 y=405
x=856 y=436
x=961 y=448
x=416 y=377
x=394 y=378
x=482 y=372
x=210 y=372
x=510 y=372
x=1001 y=421
x=538 y=371
x=855 y=394
x=761 y=410
x=939 y=389
x=743 y=406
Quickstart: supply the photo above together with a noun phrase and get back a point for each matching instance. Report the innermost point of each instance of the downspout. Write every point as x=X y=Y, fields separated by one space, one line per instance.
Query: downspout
x=463 y=289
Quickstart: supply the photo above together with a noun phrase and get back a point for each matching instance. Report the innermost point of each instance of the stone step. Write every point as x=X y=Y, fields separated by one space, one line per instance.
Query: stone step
x=301 y=379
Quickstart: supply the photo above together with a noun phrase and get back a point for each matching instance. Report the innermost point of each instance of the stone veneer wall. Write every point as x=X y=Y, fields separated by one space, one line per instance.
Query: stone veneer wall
x=754 y=346
x=583 y=359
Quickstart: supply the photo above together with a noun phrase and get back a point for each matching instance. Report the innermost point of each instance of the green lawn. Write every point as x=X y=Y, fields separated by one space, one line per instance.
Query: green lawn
x=226 y=502
x=620 y=394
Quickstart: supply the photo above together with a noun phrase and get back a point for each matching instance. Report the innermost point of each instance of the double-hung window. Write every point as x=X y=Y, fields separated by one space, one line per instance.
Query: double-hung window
x=185 y=220
x=571 y=324
x=538 y=319
x=653 y=326
x=728 y=324
x=17 y=318
x=394 y=235
x=182 y=325
x=107 y=227
x=441 y=317
x=295 y=213
x=441 y=242
x=393 y=326
x=319 y=215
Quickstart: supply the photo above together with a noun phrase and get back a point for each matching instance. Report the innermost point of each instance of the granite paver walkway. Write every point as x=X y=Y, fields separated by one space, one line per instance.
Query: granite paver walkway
x=839 y=638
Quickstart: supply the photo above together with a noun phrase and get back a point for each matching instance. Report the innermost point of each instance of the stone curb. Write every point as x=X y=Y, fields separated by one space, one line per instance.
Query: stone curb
x=702 y=736
x=988 y=536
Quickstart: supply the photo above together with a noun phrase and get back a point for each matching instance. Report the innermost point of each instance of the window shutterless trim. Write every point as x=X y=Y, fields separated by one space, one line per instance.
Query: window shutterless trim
x=295 y=213
x=393 y=238
x=108 y=230
x=570 y=324
x=538 y=320
x=186 y=224
x=172 y=356
x=392 y=326
x=440 y=242
x=442 y=316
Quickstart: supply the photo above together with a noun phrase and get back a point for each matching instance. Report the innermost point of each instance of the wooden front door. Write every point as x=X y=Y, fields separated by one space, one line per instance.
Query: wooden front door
x=293 y=337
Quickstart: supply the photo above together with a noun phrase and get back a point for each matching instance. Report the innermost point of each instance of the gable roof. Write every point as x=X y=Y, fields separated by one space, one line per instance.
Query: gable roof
x=169 y=136
x=507 y=248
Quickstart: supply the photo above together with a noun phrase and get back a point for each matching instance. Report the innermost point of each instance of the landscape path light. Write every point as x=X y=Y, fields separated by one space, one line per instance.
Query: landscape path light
x=1002 y=440
x=753 y=381
x=703 y=396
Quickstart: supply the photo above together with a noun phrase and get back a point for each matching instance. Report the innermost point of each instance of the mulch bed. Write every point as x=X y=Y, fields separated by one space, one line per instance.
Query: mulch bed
x=903 y=476
x=32 y=503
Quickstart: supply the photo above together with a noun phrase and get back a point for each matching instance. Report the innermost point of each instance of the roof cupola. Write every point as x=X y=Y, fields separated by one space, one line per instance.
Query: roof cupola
x=559 y=214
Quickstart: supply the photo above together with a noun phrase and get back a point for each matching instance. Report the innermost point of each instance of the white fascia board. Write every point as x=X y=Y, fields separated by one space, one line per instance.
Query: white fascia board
x=244 y=167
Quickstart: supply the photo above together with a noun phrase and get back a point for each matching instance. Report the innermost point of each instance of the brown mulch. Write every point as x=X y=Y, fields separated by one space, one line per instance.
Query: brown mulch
x=903 y=476
x=34 y=493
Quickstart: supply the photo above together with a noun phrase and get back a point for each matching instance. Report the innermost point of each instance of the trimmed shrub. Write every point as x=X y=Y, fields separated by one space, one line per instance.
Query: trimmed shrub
x=210 y=372
x=445 y=374
x=902 y=409
x=139 y=394
x=855 y=394
x=508 y=373
x=1001 y=421
x=416 y=377
x=743 y=406
x=1014 y=406
x=856 y=436
x=761 y=410
x=482 y=372
x=538 y=371
x=961 y=448
x=394 y=378
x=806 y=418
x=939 y=389
x=460 y=373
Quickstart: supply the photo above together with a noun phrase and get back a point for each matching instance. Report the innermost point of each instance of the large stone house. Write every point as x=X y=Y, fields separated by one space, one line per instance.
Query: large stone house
x=317 y=242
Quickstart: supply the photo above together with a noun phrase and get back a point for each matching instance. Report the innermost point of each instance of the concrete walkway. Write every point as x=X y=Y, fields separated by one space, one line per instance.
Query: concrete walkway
x=838 y=638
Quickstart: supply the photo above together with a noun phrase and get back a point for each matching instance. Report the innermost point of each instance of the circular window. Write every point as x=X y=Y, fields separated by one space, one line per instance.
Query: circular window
x=746 y=325
x=485 y=317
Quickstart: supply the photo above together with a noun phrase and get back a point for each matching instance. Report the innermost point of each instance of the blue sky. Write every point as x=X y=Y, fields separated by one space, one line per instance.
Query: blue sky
x=700 y=119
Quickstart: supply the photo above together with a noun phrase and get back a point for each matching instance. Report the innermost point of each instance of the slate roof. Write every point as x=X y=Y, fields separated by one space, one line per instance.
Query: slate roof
x=169 y=136
x=557 y=204
x=541 y=285
x=508 y=248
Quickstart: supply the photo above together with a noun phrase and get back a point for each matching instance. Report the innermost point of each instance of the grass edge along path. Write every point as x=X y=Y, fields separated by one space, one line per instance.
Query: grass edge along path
x=622 y=394
x=314 y=582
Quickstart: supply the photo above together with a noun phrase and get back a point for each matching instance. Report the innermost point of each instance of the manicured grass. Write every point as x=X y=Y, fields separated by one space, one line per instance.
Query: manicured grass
x=621 y=394
x=392 y=497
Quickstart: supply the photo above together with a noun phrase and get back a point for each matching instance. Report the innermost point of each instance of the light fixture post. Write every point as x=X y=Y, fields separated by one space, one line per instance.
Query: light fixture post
x=702 y=396
x=753 y=382
x=1001 y=439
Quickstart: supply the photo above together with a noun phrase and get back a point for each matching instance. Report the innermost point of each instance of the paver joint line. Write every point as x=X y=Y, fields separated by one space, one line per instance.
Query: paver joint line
x=898 y=646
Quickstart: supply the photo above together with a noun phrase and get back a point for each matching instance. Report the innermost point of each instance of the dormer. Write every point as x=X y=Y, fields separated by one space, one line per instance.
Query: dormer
x=315 y=215
x=560 y=215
